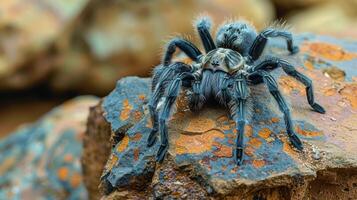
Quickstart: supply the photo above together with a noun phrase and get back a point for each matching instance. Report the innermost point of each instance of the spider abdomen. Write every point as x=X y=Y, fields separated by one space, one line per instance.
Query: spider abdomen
x=225 y=60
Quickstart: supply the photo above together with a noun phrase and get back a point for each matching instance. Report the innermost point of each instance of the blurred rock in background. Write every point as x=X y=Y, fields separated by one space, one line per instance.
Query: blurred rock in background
x=85 y=46
x=41 y=160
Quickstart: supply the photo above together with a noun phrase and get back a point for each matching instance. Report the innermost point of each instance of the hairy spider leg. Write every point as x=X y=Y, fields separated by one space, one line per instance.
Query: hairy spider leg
x=273 y=62
x=240 y=95
x=223 y=94
x=273 y=89
x=261 y=40
x=196 y=99
x=187 y=47
x=172 y=93
x=163 y=75
x=203 y=27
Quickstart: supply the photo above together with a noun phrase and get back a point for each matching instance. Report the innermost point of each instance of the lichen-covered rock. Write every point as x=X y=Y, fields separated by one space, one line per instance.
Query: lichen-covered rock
x=41 y=160
x=199 y=163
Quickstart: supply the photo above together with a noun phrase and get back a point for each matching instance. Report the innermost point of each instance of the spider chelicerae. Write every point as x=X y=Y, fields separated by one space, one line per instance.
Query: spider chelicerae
x=223 y=75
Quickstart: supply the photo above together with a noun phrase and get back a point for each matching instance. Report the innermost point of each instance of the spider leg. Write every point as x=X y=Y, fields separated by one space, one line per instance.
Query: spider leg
x=187 y=47
x=261 y=40
x=162 y=76
x=273 y=89
x=196 y=99
x=172 y=93
x=273 y=62
x=238 y=102
x=203 y=26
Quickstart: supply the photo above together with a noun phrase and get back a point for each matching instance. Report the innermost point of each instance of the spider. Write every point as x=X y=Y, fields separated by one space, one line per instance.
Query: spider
x=222 y=75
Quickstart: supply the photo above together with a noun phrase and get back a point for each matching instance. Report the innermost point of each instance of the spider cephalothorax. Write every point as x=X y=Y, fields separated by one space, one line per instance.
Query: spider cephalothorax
x=224 y=75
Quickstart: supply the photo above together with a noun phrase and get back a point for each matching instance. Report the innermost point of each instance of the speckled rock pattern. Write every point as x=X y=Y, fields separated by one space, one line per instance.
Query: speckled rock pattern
x=41 y=160
x=200 y=153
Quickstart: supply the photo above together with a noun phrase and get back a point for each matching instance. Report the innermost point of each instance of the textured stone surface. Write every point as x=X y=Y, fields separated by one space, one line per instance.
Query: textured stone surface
x=41 y=160
x=200 y=153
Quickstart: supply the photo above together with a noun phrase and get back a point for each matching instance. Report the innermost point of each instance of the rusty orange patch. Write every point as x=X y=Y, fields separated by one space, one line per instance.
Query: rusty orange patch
x=68 y=158
x=329 y=91
x=195 y=144
x=249 y=150
x=248 y=131
x=289 y=84
x=76 y=180
x=142 y=97
x=308 y=64
x=137 y=137
x=125 y=112
x=258 y=163
x=327 y=51
x=275 y=120
x=113 y=160
x=62 y=173
x=350 y=93
x=255 y=142
x=264 y=133
x=223 y=151
x=137 y=115
x=136 y=154
x=123 y=144
x=287 y=148
x=308 y=133
x=200 y=124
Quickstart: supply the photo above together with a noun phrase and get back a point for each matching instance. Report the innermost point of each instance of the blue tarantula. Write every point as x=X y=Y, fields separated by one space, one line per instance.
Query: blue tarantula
x=223 y=75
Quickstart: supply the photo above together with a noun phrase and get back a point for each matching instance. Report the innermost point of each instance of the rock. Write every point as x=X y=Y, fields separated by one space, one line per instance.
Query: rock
x=342 y=17
x=87 y=45
x=199 y=163
x=27 y=29
x=41 y=160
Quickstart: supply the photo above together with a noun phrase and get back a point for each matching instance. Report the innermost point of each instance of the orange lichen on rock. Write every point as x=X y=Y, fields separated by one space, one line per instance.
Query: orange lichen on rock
x=76 y=180
x=255 y=142
x=200 y=125
x=198 y=143
x=113 y=160
x=68 y=158
x=308 y=133
x=289 y=84
x=327 y=51
x=308 y=64
x=142 y=97
x=223 y=151
x=248 y=131
x=137 y=137
x=137 y=115
x=275 y=120
x=62 y=173
x=249 y=150
x=123 y=144
x=329 y=91
x=350 y=93
x=258 y=163
x=264 y=133
x=125 y=112
x=136 y=154
x=287 y=148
